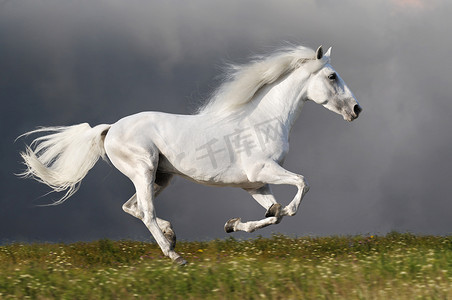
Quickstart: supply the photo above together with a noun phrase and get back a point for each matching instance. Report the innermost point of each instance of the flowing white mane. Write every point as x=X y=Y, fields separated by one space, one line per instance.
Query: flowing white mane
x=243 y=81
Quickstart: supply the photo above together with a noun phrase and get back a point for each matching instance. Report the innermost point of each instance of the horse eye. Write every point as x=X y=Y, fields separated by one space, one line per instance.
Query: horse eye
x=332 y=76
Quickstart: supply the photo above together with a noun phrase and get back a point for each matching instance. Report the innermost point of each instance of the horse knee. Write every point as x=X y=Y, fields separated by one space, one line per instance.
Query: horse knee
x=303 y=185
x=290 y=212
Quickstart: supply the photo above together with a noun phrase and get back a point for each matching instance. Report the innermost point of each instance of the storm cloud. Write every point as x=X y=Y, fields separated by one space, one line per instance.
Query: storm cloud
x=69 y=62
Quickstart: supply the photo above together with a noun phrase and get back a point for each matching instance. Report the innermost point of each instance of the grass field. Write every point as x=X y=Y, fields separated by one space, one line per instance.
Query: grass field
x=395 y=266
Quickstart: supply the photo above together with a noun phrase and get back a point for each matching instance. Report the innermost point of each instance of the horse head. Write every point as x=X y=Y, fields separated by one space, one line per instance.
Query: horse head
x=327 y=88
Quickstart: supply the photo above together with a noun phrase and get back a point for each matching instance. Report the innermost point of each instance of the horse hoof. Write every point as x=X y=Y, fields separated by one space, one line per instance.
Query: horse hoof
x=180 y=261
x=229 y=226
x=274 y=211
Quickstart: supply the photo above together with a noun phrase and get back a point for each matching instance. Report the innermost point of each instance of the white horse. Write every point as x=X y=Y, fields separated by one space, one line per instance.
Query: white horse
x=239 y=138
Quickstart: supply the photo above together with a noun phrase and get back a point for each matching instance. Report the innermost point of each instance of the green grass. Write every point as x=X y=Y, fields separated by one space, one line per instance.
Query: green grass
x=395 y=266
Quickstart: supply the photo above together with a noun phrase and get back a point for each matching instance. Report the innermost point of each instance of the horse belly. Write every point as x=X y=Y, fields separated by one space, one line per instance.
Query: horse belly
x=221 y=175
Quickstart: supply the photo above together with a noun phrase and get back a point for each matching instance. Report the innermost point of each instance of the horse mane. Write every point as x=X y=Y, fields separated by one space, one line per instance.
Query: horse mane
x=241 y=82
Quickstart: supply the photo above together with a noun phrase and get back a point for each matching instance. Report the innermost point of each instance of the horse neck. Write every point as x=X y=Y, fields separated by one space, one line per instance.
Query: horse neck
x=284 y=99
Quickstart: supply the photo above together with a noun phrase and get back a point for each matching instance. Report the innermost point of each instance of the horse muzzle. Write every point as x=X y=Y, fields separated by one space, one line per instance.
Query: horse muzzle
x=357 y=109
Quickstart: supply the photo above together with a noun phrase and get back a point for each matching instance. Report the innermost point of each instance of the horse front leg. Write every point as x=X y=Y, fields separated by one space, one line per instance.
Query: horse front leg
x=273 y=173
x=236 y=224
x=265 y=198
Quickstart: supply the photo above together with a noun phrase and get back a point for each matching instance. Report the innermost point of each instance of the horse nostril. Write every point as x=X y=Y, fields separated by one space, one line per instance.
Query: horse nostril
x=357 y=110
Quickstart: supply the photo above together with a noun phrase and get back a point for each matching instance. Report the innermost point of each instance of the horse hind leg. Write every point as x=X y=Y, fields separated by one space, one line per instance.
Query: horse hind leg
x=145 y=195
x=139 y=162
x=168 y=231
x=162 y=180
x=131 y=208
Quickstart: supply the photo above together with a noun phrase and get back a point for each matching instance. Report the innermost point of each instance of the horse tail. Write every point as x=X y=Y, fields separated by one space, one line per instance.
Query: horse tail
x=62 y=158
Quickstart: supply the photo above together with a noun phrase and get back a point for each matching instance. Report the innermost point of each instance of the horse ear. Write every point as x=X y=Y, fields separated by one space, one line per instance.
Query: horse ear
x=319 y=53
x=328 y=53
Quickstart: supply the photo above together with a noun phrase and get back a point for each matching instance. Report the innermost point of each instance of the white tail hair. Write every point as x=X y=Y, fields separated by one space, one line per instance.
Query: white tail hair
x=63 y=158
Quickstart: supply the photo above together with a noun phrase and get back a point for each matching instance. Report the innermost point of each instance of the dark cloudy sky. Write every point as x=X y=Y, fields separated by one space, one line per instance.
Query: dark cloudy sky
x=65 y=62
